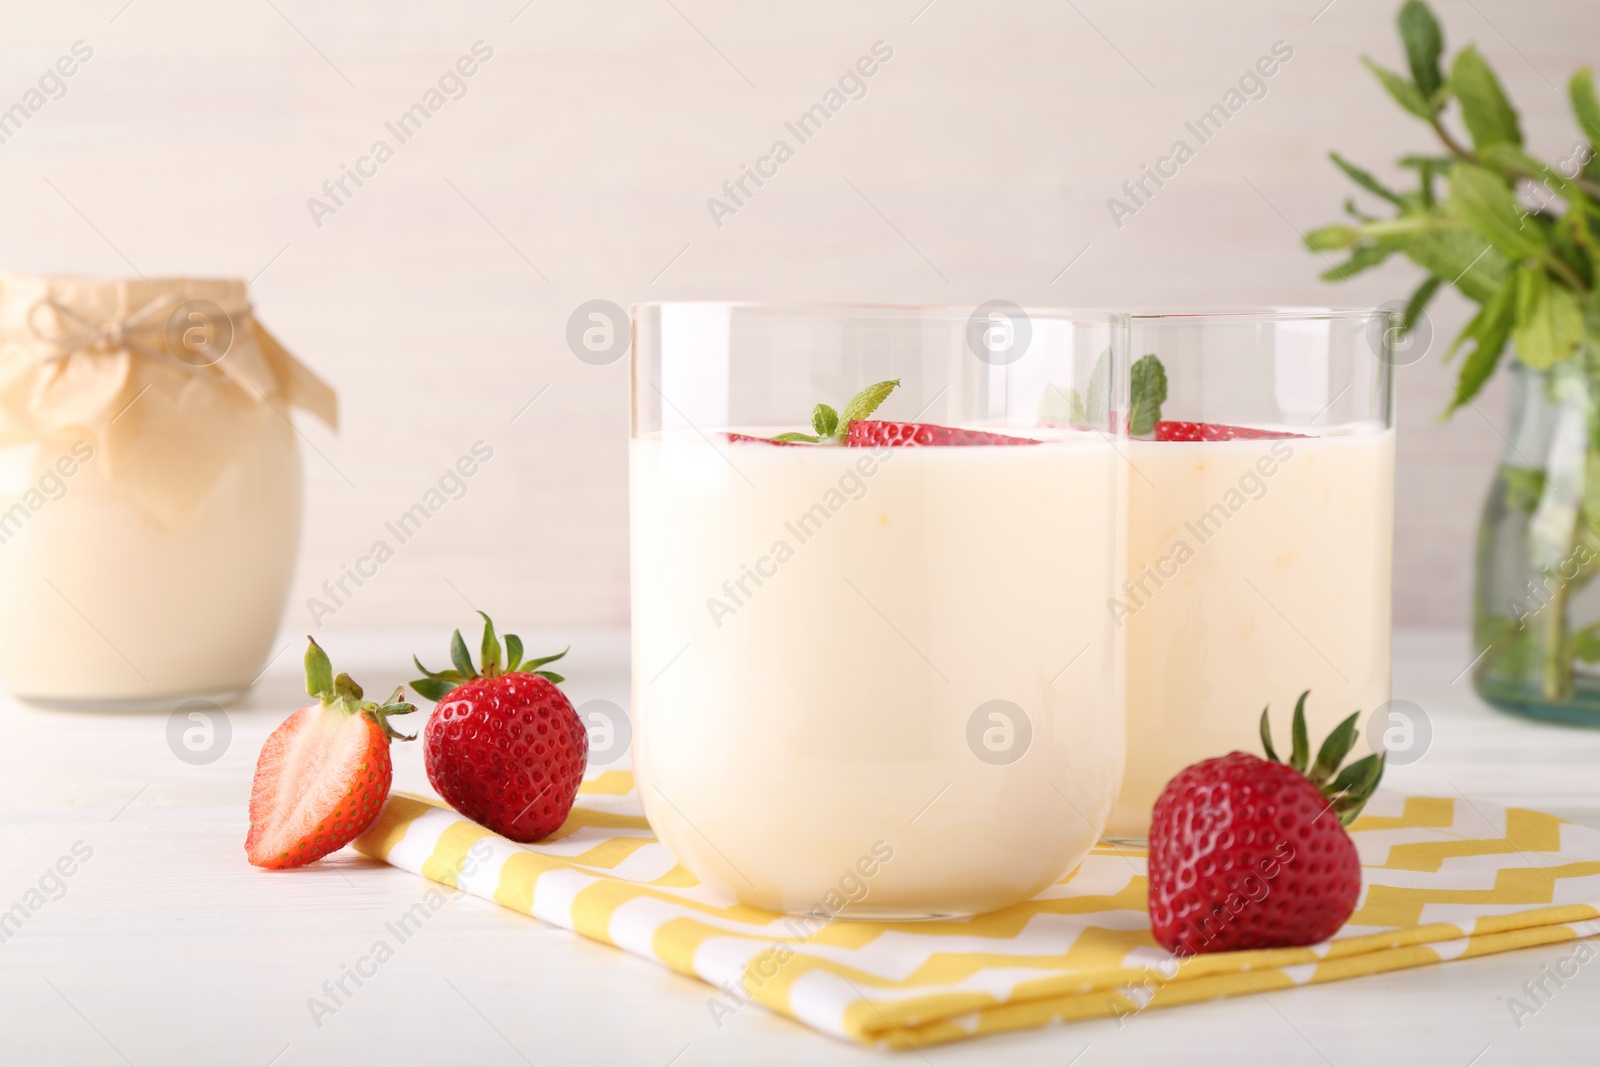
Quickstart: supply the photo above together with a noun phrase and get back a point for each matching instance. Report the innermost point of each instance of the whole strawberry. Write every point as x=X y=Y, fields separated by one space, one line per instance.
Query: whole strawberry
x=1252 y=853
x=323 y=775
x=504 y=747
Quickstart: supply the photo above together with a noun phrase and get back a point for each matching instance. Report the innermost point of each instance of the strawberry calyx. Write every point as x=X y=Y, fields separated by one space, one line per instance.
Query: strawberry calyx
x=1347 y=790
x=343 y=695
x=496 y=661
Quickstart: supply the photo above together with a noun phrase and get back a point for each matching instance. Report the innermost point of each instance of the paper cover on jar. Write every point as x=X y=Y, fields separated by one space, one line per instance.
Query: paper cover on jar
x=167 y=378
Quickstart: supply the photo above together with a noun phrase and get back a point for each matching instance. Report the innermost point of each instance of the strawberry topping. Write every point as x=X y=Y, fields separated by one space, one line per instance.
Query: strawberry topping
x=1216 y=431
x=875 y=433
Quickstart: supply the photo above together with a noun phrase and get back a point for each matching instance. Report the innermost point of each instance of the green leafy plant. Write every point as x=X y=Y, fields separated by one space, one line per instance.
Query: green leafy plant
x=1516 y=235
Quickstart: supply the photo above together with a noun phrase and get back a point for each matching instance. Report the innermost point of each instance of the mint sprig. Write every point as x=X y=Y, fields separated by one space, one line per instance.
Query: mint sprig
x=1147 y=391
x=832 y=426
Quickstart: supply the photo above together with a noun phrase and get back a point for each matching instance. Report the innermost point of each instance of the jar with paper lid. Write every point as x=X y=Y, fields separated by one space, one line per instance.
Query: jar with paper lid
x=150 y=489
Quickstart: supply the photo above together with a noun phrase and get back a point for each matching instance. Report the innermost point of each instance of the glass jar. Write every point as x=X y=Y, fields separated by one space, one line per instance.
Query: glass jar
x=150 y=490
x=1536 y=612
x=876 y=681
x=1260 y=536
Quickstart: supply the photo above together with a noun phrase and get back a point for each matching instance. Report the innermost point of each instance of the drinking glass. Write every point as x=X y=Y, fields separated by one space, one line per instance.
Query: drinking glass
x=876 y=681
x=1260 y=535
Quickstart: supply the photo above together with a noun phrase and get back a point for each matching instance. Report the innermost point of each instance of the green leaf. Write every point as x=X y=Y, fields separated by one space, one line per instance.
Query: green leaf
x=431 y=688
x=795 y=435
x=1462 y=258
x=1355 y=786
x=460 y=657
x=489 y=653
x=1147 y=391
x=319 y=671
x=1484 y=201
x=1266 y=736
x=1549 y=319
x=825 y=421
x=1586 y=644
x=1424 y=42
x=1490 y=328
x=1364 y=179
x=1364 y=258
x=1488 y=114
x=1419 y=302
x=1523 y=488
x=864 y=403
x=1585 y=105
x=1334 y=749
x=1406 y=94
x=551 y=676
x=1301 y=751
x=346 y=687
x=533 y=664
x=513 y=652
x=1324 y=238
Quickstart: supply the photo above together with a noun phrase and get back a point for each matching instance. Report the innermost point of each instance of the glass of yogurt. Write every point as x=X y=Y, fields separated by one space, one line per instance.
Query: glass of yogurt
x=1260 y=532
x=874 y=675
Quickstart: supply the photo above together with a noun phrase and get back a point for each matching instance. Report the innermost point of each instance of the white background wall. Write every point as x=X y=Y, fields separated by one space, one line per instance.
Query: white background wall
x=578 y=164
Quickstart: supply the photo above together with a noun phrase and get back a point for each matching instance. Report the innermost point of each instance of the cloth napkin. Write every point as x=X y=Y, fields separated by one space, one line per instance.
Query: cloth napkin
x=1445 y=879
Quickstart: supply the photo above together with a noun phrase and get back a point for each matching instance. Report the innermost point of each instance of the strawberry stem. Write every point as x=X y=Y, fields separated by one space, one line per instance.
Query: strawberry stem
x=1352 y=787
x=434 y=685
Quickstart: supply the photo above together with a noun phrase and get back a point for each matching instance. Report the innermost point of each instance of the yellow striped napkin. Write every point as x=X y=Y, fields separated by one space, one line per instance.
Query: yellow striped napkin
x=1445 y=879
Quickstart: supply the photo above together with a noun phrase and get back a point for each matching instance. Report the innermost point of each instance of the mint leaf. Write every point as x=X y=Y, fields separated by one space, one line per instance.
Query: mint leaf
x=1365 y=180
x=1484 y=201
x=1461 y=256
x=1364 y=258
x=1419 y=302
x=825 y=420
x=1587 y=107
x=1490 y=328
x=864 y=403
x=1147 y=388
x=1324 y=238
x=1484 y=108
x=1424 y=42
x=1404 y=92
x=793 y=435
x=1549 y=319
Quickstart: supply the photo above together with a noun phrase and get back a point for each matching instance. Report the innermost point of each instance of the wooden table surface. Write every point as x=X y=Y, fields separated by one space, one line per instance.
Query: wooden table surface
x=164 y=947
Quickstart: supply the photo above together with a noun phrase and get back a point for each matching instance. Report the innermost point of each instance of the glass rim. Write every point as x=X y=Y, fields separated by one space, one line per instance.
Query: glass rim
x=1261 y=313
x=962 y=311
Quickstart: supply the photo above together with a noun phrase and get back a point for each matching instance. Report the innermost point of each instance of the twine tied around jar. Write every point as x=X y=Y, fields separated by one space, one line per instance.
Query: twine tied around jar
x=168 y=379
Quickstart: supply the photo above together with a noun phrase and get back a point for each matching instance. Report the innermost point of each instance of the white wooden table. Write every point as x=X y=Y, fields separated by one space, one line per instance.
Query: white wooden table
x=167 y=948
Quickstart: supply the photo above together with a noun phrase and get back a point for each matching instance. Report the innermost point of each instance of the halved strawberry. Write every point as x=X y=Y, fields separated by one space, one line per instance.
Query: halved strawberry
x=324 y=773
x=1216 y=431
x=875 y=433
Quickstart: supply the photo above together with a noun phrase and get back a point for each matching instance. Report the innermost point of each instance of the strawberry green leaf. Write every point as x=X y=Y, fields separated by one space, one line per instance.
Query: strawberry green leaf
x=1355 y=786
x=1147 y=387
x=490 y=651
x=319 y=671
x=1334 y=749
x=433 y=689
x=1424 y=42
x=346 y=687
x=864 y=403
x=825 y=421
x=551 y=676
x=1301 y=751
x=533 y=665
x=1484 y=107
x=460 y=657
x=513 y=652
x=1266 y=737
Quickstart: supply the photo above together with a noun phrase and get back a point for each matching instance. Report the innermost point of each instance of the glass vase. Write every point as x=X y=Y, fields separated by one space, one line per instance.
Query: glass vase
x=1536 y=611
